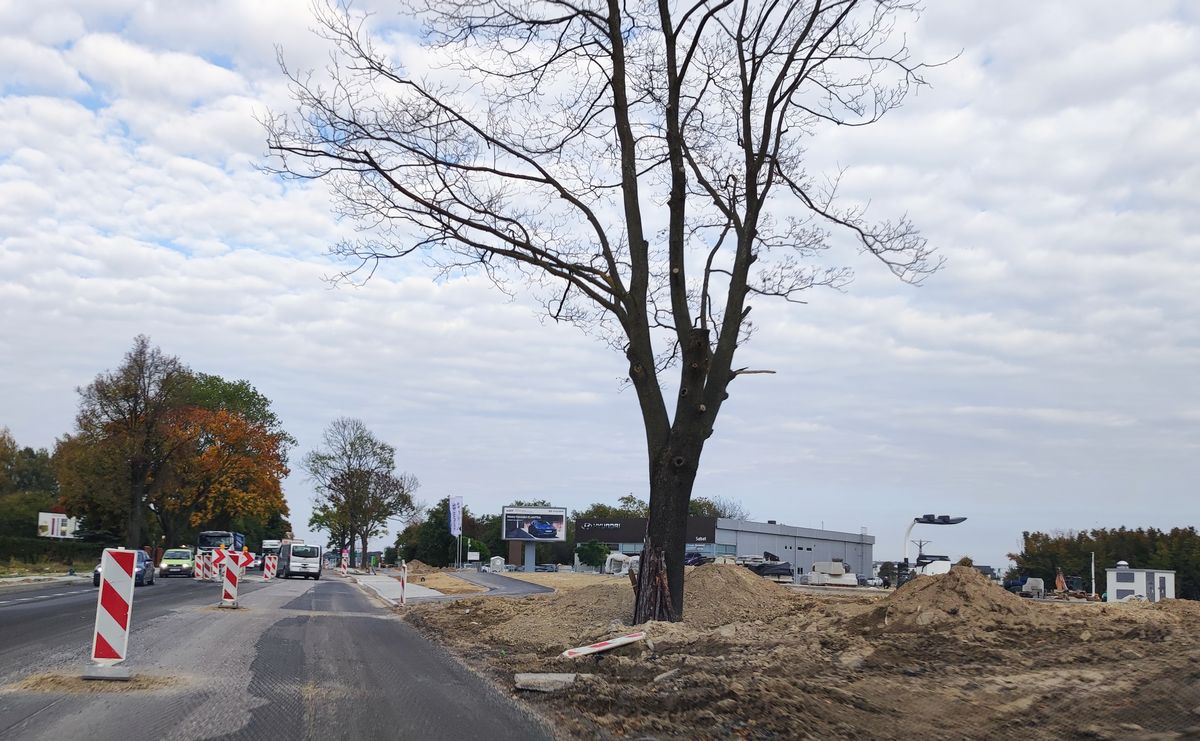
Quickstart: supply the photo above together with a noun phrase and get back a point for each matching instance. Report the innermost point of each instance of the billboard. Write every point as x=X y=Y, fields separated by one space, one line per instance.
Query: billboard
x=633 y=530
x=546 y=524
x=54 y=525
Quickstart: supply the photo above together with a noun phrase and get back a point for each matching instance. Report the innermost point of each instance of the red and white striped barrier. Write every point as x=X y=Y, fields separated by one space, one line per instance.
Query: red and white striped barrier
x=197 y=567
x=233 y=563
x=216 y=564
x=345 y=561
x=270 y=564
x=596 y=648
x=114 y=607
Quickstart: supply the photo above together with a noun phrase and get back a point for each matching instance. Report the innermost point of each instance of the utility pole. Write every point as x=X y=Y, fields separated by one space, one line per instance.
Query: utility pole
x=920 y=544
x=1093 y=575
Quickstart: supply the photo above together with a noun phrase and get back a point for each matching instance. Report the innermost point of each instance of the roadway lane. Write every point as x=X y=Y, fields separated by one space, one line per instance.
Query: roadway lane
x=36 y=621
x=303 y=659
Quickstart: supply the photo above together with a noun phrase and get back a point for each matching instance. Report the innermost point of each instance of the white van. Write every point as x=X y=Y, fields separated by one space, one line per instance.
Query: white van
x=299 y=559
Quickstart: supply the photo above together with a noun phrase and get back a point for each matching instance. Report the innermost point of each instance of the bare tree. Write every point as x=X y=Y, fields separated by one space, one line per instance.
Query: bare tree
x=640 y=165
x=359 y=489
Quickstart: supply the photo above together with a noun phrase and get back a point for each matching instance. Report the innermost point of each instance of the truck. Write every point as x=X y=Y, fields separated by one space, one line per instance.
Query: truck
x=210 y=540
x=270 y=548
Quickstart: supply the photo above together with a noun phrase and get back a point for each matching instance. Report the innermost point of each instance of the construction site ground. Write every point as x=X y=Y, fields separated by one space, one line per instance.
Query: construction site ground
x=950 y=657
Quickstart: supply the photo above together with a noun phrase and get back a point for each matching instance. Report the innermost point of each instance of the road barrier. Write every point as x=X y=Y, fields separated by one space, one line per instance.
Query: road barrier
x=233 y=563
x=114 y=607
x=217 y=564
x=345 y=561
x=270 y=564
x=198 y=566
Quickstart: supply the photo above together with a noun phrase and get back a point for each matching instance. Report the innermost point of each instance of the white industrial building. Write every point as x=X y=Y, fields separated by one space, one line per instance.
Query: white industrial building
x=711 y=536
x=1151 y=585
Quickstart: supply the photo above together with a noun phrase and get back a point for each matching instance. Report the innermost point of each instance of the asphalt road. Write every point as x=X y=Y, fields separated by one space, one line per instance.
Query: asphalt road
x=302 y=659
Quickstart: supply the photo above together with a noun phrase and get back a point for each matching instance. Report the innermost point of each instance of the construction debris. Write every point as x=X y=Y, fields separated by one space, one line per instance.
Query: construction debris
x=544 y=681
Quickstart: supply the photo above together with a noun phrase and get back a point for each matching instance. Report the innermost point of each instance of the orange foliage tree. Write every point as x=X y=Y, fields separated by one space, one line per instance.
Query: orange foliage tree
x=224 y=466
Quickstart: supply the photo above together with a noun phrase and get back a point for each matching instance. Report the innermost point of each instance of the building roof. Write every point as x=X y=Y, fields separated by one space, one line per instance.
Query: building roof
x=1131 y=569
x=773 y=528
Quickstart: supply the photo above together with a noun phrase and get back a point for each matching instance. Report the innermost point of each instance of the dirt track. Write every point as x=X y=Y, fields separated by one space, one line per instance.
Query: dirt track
x=943 y=657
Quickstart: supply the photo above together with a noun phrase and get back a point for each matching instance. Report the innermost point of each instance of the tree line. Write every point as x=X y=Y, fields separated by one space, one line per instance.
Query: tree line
x=1177 y=549
x=427 y=537
x=158 y=452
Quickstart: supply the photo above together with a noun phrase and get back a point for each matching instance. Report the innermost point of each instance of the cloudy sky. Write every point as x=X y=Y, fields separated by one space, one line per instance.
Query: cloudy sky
x=1048 y=378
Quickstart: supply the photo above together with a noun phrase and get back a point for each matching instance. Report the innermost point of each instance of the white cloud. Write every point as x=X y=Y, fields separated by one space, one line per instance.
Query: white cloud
x=1046 y=379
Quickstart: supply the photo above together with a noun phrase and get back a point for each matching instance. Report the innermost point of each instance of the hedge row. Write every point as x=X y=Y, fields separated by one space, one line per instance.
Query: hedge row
x=33 y=550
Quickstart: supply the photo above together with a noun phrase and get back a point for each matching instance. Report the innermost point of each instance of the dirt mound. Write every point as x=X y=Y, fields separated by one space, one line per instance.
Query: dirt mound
x=718 y=594
x=420 y=567
x=962 y=597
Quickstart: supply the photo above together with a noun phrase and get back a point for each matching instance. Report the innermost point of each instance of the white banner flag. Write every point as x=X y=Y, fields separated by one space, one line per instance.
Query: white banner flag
x=456 y=516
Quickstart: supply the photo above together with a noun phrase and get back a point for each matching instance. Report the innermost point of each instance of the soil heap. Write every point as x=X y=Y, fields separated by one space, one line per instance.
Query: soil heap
x=717 y=594
x=964 y=596
x=420 y=567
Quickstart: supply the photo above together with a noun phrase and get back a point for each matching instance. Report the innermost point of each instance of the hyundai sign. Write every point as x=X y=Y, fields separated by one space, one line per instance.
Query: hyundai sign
x=546 y=524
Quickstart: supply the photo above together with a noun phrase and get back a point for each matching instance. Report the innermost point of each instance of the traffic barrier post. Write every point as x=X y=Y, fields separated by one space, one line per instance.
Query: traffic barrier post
x=232 y=563
x=114 y=608
x=270 y=564
x=197 y=569
x=345 y=561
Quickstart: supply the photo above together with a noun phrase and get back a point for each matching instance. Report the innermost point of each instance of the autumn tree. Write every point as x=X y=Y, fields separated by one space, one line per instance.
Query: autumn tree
x=224 y=466
x=122 y=426
x=639 y=165
x=357 y=482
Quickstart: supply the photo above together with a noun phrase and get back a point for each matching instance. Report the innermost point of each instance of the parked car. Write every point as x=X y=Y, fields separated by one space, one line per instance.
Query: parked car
x=541 y=529
x=143 y=570
x=695 y=559
x=874 y=581
x=546 y=567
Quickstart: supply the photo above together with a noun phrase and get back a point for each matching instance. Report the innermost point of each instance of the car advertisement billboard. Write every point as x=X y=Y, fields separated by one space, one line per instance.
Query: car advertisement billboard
x=545 y=524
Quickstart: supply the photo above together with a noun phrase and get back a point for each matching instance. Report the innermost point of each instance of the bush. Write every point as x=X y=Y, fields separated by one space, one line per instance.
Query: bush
x=33 y=550
x=966 y=561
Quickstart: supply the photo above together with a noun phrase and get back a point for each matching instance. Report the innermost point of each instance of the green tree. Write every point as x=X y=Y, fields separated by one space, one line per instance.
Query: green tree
x=717 y=507
x=126 y=412
x=27 y=486
x=592 y=553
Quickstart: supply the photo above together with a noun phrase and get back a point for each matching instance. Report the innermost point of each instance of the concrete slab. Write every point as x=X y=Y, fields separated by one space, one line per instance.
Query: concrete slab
x=389 y=588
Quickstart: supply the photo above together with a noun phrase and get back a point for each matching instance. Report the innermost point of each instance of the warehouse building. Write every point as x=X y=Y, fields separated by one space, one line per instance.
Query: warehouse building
x=712 y=536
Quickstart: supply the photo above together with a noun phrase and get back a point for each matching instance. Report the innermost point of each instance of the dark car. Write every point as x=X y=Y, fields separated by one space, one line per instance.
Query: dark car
x=694 y=559
x=540 y=529
x=143 y=570
x=546 y=567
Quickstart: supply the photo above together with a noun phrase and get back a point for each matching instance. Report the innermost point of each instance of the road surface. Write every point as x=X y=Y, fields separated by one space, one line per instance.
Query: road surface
x=303 y=659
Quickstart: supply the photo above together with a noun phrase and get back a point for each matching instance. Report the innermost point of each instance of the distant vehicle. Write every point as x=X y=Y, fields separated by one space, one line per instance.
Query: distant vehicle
x=255 y=562
x=541 y=529
x=210 y=540
x=270 y=548
x=143 y=570
x=546 y=567
x=176 y=562
x=299 y=559
x=874 y=581
x=695 y=559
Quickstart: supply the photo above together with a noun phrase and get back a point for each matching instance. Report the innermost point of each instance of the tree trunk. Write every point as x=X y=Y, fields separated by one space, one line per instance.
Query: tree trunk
x=671 y=480
x=137 y=495
x=365 y=566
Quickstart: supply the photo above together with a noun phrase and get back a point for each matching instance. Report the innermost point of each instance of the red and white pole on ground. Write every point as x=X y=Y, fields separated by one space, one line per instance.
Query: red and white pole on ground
x=403 y=579
x=114 y=608
x=345 y=561
x=270 y=564
x=197 y=569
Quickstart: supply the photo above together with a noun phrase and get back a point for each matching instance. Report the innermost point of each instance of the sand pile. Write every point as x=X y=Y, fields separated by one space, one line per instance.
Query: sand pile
x=717 y=594
x=964 y=596
x=420 y=567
